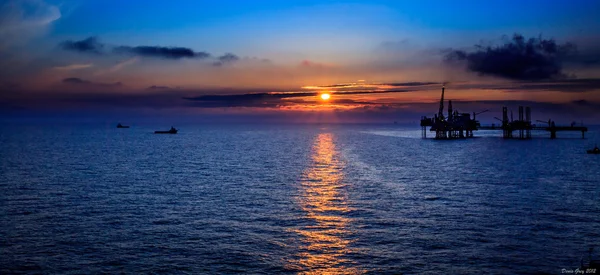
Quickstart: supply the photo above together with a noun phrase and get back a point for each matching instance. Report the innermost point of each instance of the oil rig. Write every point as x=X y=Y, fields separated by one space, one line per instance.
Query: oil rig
x=455 y=125
x=460 y=125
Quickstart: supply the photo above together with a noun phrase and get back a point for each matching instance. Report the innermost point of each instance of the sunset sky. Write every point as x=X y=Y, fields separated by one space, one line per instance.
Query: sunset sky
x=379 y=60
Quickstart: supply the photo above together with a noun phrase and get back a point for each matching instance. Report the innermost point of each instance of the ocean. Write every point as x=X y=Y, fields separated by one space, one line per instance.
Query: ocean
x=292 y=199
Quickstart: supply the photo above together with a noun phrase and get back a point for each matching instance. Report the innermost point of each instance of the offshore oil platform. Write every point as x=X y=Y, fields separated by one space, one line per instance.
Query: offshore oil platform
x=460 y=125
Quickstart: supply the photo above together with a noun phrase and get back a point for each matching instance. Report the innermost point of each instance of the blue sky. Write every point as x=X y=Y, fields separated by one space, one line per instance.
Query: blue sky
x=223 y=23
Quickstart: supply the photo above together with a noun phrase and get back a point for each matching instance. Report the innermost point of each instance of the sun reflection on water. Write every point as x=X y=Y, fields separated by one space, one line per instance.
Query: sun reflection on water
x=326 y=238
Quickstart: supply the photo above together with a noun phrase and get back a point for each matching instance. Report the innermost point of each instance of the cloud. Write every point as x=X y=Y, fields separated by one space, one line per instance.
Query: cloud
x=311 y=64
x=361 y=85
x=225 y=59
x=82 y=82
x=265 y=99
x=73 y=67
x=559 y=85
x=586 y=104
x=284 y=105
x=244 y=100
x=538 y=108
x=564 y=85
x=22 y=20
x=88 y=45
x=161 y=52
x=93 y=45
x=118 y=66
x=413 y=84
x=154 y=87
x=517 y=59
x=75 y=80
x=9 y=85
x=18 y=15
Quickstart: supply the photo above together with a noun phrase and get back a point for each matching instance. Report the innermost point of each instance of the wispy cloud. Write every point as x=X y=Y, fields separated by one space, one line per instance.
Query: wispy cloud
x=117 y=67
x=22 y=20
x=73 y=67
x=312 y=64
x=362 y=85
x=226 y=59
x=20 y=15
x=123 y=64
x=75 y=81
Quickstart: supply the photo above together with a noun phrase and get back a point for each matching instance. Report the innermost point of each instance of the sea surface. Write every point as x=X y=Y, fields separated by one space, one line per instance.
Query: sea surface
x=307 y=199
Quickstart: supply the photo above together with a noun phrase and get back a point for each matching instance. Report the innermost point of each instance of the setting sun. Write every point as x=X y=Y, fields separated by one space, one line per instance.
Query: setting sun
x=325 y=96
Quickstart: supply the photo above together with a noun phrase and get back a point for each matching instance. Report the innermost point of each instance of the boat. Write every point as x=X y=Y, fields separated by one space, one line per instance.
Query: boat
x=592 y=264
x=171 y=131
x=121 y=126
x=594 y=151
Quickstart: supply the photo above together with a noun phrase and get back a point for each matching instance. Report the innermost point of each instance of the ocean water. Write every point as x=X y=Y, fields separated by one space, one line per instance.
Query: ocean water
x=308 y=199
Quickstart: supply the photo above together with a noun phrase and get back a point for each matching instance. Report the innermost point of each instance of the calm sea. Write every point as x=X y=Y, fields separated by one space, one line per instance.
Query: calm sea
x=312 y=199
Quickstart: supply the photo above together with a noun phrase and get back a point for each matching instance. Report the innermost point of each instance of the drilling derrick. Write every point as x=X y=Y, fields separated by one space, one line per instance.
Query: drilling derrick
x=455 y=125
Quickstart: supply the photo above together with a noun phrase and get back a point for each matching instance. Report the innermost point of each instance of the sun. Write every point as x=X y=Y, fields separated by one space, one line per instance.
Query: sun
x=325 y=96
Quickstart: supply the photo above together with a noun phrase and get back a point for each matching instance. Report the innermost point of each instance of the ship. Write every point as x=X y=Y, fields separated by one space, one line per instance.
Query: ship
x=595 y=151
x=170 y=131
x=121 y=126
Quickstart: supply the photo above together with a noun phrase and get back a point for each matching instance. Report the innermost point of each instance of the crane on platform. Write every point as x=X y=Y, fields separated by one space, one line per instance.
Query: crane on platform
x=547 y=122
x=475 y=114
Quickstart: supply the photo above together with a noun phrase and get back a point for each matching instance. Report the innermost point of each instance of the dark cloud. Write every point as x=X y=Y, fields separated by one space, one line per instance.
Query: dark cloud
x=92 y=45
x=537 y=108
x=518 y=59
x=559 y=85
x=245 y=100
x=83 y=82
x=88 y=45
x=75 y=80
x=411 y=84
x=154 y=87
x=161 y=52
x=9 y=85
x=565 y=85
x=225 y=59
x=586 y=103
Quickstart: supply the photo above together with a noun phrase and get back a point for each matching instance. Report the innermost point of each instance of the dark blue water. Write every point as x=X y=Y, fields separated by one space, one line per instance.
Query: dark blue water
x=292 y=199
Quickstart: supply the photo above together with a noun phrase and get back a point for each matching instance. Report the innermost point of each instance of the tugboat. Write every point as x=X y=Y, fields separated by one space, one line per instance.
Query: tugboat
x=121 y=126
x=171 y=131
x=594 y=151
